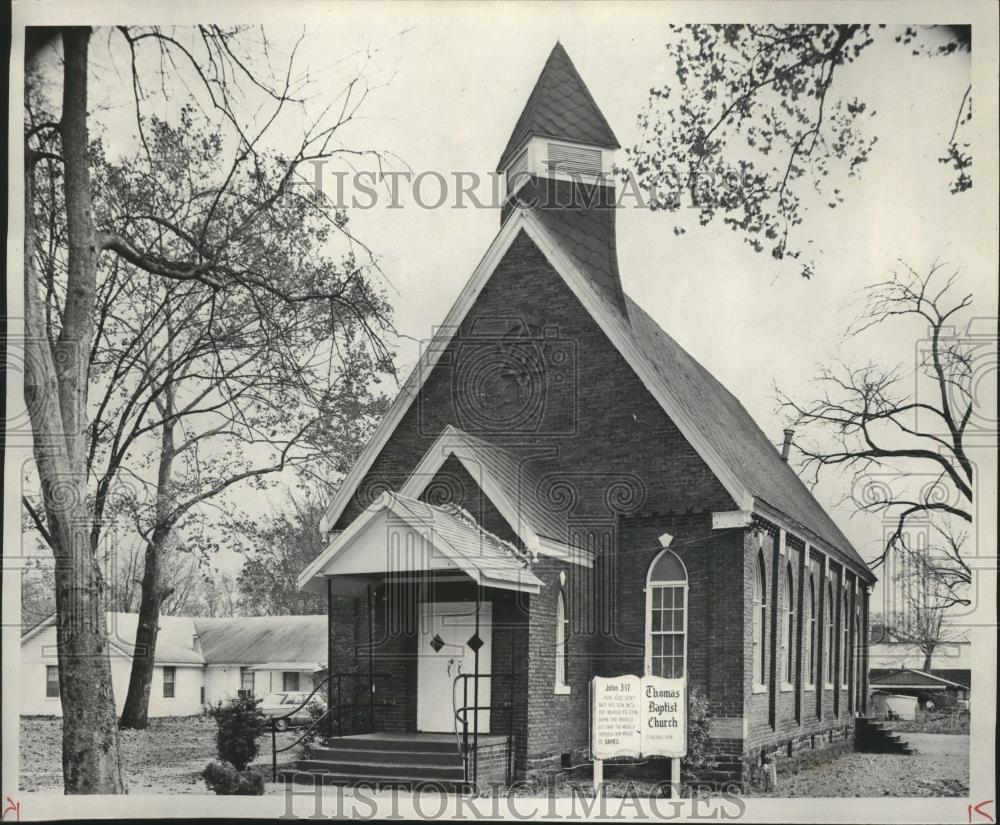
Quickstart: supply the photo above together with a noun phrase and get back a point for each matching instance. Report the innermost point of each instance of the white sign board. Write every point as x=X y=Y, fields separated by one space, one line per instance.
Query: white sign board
x=638 y=717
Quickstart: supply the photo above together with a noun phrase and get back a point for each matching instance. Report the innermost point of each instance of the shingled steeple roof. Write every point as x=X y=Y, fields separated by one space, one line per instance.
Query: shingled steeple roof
x=560 y=106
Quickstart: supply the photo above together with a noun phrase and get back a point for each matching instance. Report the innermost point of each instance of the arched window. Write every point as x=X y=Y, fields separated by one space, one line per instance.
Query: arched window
x=810 y=635
x=666 y=616
x=562 y=631
x=789 y=611
x=760 y=622
x=828 y=621
x=845 y=632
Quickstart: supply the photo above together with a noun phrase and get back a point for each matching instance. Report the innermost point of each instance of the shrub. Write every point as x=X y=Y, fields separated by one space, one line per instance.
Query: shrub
x=699 y=757
x=224 y=779
x=240 y=723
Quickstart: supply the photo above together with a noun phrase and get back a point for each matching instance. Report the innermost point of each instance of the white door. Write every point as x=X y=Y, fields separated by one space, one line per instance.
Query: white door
x=444 y=653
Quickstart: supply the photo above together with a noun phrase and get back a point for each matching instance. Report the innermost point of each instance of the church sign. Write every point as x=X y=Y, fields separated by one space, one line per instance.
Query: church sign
x=638 y=717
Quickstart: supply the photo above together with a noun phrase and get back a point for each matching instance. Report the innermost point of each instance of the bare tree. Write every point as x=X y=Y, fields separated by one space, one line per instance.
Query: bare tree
x=202 y=247
x=879 y=421
x=924 y=592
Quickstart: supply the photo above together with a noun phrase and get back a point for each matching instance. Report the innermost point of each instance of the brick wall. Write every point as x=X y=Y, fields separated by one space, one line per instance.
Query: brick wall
x=624 y=476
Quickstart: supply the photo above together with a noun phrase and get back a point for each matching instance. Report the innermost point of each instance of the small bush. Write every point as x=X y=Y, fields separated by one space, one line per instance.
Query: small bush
x=700 y=757
x=240 y=723
x=225 y=780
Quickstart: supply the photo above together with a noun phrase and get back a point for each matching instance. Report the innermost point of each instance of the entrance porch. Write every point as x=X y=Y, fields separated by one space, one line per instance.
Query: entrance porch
x=428 y=641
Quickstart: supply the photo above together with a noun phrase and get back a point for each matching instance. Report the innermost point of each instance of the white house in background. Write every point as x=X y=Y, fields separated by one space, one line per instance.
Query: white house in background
x=199 y=661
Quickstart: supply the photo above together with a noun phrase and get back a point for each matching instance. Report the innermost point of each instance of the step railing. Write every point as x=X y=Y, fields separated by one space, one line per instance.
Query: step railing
x=470 y=756
x=332 y=712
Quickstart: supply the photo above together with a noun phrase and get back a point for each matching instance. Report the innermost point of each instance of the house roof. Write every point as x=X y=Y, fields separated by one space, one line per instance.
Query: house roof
x=258 y=639
x=451 y=533
x=241 y=640
x=907 y=677
x=560 y=106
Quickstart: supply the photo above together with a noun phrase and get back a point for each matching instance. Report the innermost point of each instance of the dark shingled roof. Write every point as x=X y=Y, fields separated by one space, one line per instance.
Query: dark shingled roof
x=560 y=106
x=719 y=416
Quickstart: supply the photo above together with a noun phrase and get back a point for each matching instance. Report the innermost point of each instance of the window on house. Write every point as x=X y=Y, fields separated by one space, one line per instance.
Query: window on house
x=169 y=681
x=828 y=621
x=246 y=682
x=51 y=682
x=789 y=611
x=562 y=631
x=666 y=616
x=201 y=694
x=845 y=632
x=760 y=622
x=810 y=636
x=290 y=680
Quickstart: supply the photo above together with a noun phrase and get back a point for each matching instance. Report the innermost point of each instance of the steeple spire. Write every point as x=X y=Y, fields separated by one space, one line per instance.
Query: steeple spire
x=559 y=164
x=560 y=107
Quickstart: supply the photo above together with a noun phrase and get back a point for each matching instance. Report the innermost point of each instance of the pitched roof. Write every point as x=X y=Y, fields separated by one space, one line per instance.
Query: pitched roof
x=707 y=415
x=560 y=106
x=724 y=422
x=174 y=641
x=258 y=639
x=241 y=640
x=518 y=481
x=906 y=677
x=451 y=533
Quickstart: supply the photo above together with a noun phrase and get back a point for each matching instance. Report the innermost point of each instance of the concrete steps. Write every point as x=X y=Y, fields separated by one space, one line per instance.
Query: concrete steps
x=383 y=761
x=873 y=736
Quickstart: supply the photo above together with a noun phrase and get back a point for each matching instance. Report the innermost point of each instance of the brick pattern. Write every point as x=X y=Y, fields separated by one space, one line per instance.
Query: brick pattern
x=619 y=494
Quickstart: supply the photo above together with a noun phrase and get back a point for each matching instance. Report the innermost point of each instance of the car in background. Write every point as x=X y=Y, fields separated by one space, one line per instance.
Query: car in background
x=279 y=705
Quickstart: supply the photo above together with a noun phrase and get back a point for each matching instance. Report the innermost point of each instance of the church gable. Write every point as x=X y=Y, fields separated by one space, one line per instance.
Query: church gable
x=529 y=369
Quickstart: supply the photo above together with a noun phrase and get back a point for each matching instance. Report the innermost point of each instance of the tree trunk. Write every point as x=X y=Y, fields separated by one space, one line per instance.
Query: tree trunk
x=928 y=656
x=135 y=714
x=55 y=388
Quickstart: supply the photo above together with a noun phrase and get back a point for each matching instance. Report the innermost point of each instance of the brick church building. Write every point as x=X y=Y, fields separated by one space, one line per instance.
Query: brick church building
x=561 y=491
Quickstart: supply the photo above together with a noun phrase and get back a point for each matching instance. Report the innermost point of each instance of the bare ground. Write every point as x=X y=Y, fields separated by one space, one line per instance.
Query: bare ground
x=167 y=757
x=939 y=768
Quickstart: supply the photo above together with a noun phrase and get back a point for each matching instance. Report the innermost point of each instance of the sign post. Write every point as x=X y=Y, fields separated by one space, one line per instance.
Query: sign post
x=638 y=717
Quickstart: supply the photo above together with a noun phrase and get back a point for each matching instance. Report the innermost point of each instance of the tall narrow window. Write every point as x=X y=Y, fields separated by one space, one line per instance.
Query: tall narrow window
x=789 y=611
x=169 y=681
x=246 y=682
x=51 y=682
x=562 y=630
x=760 y=622
x=666 y=616
x=845 y=632
x=810 y=635
x=828 y=621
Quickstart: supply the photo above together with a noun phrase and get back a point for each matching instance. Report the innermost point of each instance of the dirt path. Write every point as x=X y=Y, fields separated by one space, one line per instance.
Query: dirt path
x=939 y=768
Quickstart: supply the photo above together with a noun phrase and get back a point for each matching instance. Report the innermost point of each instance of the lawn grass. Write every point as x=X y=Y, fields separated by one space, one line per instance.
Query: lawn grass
x=167 y=757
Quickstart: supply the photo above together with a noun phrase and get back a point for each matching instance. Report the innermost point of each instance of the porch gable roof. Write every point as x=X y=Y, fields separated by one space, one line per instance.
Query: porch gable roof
x=510 y=483
x=452 y=536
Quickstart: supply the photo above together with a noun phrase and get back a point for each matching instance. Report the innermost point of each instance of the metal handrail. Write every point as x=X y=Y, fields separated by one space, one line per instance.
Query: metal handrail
x=275 y=750
x=462 y=717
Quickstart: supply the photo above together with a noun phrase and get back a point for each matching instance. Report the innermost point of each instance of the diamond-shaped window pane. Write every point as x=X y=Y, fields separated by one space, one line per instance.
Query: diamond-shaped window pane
x=475 y=642
x=437 y=643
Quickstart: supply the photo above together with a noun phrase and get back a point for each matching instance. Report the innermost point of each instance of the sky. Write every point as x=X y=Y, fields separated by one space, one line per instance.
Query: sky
x=448 y=82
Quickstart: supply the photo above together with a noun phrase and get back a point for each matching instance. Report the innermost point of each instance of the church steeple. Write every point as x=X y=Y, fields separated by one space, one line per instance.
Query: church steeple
x=559 y=107
x=559 y=163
